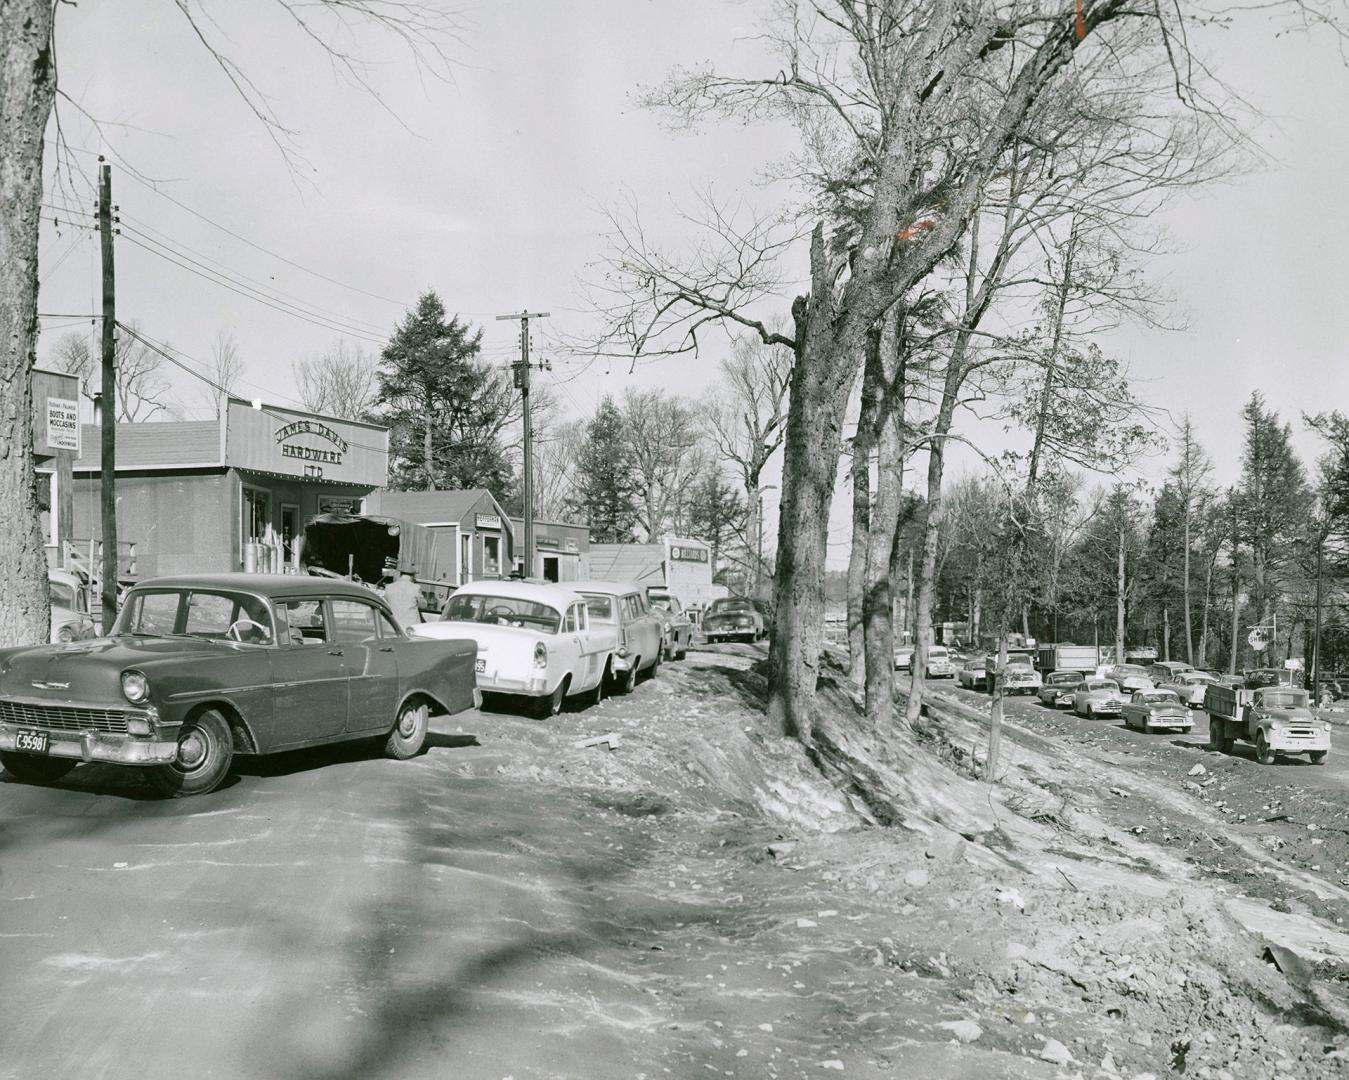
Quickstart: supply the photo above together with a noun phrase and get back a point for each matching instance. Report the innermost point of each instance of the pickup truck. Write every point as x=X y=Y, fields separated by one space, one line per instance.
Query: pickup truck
x=1276 y=719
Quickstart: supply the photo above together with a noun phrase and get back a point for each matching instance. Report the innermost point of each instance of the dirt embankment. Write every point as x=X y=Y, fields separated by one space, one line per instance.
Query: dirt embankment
x=880 y=913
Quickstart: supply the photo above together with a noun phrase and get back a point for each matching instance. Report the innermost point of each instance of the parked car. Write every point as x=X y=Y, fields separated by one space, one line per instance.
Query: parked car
x=69 y=599
x=534 y=641
x=1258 y=677
x=939 y=664
x=623 y=607
x=1098 y=697
x=971 y=673
x=1165 y=671
x=733 y=618
x=1190 y=686
x=1234 y=682
x=200 y=667
x=903 y=657
x=1020 y=677
x=677 y=628
x=1151 y=710
x=1059 y=688
x=1130 y=677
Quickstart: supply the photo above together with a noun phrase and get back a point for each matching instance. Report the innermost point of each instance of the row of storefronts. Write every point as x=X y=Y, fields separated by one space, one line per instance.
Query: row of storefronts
x=239 y=492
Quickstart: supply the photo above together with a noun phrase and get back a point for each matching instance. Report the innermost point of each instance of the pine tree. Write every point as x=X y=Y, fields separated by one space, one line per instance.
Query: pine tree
x=606 y=493
x=716 y=513
x=444 y=407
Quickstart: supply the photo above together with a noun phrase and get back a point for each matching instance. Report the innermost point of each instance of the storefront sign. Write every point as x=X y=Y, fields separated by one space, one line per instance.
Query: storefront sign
x=290 y=443
x=688 y=554
x=339 y=506
x=63 y=424
x=573 y=547
x=547 y=542
x=487 y=521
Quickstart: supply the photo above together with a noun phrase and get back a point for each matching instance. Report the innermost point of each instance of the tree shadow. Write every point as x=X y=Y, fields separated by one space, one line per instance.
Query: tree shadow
x=496 y=909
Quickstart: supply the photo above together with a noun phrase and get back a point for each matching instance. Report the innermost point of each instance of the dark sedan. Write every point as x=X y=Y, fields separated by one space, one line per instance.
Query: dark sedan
x=198 y=668
x=733 y=618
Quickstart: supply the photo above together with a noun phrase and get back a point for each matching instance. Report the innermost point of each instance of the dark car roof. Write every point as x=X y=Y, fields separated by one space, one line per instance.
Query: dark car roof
x=263 y=584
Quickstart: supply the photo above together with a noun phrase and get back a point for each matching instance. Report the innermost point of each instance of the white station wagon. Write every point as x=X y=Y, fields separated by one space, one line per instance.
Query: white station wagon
x=534 y=640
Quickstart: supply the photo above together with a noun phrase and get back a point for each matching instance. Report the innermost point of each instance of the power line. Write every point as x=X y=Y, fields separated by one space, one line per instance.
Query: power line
x=179 y=248
x=252 y=294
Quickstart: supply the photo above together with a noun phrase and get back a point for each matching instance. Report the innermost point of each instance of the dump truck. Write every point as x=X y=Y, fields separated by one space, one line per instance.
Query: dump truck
x=1072 y=657
x=1275 y=719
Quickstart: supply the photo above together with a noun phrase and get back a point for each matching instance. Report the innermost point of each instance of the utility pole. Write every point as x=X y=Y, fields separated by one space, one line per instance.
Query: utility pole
x=522 y=381
x=108 y=429
x=1316 y=633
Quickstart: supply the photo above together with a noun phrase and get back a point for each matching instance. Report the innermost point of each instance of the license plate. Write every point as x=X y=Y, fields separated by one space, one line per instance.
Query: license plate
x=35 y=742
x=480 y=664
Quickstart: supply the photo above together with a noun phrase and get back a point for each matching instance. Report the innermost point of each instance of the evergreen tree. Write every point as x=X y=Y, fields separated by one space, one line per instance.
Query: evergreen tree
x=606 y=494
x=444 y=407
x=716 y=513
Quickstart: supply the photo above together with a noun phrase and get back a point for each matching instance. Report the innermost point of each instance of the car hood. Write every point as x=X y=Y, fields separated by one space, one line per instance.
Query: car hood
x=1167 y=706
x=91 y=670
x=1290 y=716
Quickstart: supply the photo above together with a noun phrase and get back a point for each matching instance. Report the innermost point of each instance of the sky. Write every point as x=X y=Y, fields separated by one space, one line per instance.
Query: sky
x=490 y=188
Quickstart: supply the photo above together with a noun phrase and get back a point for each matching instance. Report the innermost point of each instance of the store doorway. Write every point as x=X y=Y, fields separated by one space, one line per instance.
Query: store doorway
x=550 y=568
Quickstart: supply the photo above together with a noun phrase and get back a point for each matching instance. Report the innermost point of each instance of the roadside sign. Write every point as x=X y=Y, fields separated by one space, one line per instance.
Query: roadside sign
x=1257 y=640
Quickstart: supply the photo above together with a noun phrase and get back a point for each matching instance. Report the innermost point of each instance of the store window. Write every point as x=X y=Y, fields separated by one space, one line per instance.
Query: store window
x=257 y=515
x=290 y=516
x=491 y=556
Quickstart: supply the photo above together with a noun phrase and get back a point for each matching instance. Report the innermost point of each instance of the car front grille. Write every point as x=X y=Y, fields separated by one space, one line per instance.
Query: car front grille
x=64 y=717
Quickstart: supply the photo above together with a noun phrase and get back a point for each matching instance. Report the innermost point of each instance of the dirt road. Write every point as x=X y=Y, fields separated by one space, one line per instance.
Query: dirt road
x=511 y=905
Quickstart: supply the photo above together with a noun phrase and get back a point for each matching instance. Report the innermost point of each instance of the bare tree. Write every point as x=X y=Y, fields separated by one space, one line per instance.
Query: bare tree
x=662 y=435
x=1191 y=474
x=745 y=417
x=73 y=354
x=555 y=450
x=143 y=391
x=227 y=367
x=340 y=382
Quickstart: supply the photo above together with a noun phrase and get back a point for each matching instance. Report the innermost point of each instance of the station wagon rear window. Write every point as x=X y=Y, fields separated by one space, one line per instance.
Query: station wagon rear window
x=601 y=607
x=502 y=611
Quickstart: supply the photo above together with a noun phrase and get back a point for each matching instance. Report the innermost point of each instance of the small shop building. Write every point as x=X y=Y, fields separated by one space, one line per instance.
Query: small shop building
x=561 y=549
x=681 y=565
x=211 y=496
x=474 y=539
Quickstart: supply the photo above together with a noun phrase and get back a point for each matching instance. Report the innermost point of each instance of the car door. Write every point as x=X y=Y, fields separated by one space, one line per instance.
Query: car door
x=572 y=645
x=310 y=675
x=371 y=665
x=644 y=626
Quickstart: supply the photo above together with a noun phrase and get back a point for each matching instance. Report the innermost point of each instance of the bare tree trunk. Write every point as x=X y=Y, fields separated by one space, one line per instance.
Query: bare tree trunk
x=927 y=568
x=27 y=88
x=1203 y=626
x=1166 y=633
x=995 y=709
x=878 y=604
x=1189 y=632
x=861 y=520
x=1119 y=600
x=818 y=401
x=1236 y=604
x=427 y=455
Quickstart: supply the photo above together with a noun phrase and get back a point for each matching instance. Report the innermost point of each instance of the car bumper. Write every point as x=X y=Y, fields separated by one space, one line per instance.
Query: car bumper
x=534 y=686
x=1097 y=709
x=1058 y=699
x=1168 y=723
x=95 y=746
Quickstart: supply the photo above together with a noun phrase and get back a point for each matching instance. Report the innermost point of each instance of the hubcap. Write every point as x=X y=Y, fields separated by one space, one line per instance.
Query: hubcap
x=408 y=724
x=192 y=749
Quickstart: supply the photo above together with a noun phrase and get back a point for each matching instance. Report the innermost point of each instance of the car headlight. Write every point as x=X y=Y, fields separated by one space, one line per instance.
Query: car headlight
x=66 y=633
x=135 y=686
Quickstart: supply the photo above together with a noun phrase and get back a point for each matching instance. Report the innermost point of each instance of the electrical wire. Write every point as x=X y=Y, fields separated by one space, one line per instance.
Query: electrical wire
x=248 y=293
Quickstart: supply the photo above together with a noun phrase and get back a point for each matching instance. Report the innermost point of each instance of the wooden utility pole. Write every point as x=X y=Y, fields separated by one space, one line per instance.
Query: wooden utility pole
x=108 y=430
x=522 y=381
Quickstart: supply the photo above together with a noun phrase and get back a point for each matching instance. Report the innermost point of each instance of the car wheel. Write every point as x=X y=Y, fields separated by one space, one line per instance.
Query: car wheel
x=596 y=695
x=550 y=705
x=409 y=734
x=1317 y=757
x=627 y=682
x=1263 y=753
x=205 y=753
x=33 y=769
x=655 y=666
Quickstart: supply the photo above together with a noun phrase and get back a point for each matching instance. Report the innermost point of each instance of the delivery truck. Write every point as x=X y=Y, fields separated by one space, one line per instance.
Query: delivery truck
x=1274 y=719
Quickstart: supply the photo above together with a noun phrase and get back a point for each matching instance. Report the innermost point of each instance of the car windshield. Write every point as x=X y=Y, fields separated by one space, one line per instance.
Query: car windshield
x=1155 y=699
x=662 y=602
x=1102 y=684
x=504 y=611
x=1063 y=678
x=197 y=613
x=722 y=607
x=1126 y=670
x=937 y=652
x=1285 y=699
x=60 y=594
x=1191 y=678
x=1018 y=661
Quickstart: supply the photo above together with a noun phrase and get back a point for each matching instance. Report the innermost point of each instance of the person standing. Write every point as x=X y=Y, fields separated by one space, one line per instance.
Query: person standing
x=402 y=596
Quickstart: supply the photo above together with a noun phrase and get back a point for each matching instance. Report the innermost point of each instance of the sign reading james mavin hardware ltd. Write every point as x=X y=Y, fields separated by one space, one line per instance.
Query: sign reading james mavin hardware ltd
x=291 y=443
